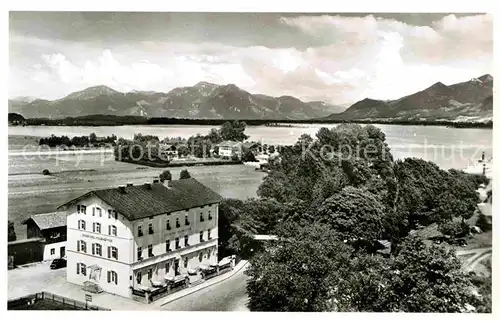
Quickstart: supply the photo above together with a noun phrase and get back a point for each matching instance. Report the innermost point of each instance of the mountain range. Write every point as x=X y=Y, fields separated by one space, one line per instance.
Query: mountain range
x=201 y=101
x=466 y=101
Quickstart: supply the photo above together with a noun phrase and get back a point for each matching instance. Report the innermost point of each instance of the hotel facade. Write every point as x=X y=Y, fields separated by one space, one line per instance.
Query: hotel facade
x=135 y=235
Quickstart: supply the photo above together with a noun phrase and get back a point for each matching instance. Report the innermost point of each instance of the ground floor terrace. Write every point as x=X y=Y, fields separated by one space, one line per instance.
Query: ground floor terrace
x=175 y=268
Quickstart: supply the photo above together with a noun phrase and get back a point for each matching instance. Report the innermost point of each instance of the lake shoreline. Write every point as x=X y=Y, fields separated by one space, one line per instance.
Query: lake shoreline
x=110 y=120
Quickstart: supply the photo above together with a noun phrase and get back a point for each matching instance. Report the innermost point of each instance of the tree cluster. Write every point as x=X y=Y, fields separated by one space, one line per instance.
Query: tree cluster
x=78 y=141
x=337 y=196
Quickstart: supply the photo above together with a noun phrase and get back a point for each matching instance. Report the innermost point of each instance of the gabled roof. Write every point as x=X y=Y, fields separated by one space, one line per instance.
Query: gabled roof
x=229 y=143
x=139 y=201
x=48 y=220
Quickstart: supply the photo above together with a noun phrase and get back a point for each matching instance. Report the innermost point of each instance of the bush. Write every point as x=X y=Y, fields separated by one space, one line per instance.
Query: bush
x=248 y=156
x=453 y=228
x=166 y=176
x=46 y=172
x=483 y=223
x=184 y=174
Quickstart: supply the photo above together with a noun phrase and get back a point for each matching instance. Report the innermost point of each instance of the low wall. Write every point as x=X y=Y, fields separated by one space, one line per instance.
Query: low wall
x=48 y=301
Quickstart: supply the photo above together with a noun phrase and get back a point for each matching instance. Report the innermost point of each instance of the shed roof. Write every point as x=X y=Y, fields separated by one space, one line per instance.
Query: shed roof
x=48 y=220
x=140 y=201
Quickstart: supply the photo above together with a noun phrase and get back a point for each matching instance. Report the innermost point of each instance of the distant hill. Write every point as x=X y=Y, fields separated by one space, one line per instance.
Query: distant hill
x=466 y=101
x=201 y=101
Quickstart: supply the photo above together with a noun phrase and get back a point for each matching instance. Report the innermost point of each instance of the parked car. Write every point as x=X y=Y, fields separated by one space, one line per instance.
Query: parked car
x=58 y=263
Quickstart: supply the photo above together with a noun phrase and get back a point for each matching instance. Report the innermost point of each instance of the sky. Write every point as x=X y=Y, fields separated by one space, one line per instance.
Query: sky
x=338 y=58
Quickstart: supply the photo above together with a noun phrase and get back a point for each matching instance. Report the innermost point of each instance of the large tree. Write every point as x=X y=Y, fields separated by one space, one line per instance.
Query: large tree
x=299 y=274
x=355 y=214
x=11 y=232
x=427 y=278
x=233 y=130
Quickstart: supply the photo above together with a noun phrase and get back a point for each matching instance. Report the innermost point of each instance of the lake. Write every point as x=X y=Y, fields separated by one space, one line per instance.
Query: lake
x=447 y=147
x=30 y=192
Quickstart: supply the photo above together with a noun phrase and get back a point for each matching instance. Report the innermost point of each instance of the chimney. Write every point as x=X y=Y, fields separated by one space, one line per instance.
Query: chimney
x=121 y=188
x=129 y=184
x=147 y=185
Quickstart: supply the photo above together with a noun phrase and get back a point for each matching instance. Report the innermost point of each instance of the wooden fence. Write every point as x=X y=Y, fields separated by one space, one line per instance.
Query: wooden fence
x=25 y=302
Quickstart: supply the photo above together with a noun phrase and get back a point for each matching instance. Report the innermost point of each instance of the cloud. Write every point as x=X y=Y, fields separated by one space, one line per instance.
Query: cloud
x=359 y=57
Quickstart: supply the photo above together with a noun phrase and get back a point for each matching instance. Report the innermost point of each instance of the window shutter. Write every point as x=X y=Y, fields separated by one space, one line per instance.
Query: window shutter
x=109 y=229
x=79 y=224
x=78 y=246
x=109 y=252
x=93 y=211
x=109 y=276
x=116 y=277
x=77 y=268
x=116 y=252
x=93 y=248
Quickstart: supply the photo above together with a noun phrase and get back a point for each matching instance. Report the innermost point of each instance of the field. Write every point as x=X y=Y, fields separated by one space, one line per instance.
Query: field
x=72 y=175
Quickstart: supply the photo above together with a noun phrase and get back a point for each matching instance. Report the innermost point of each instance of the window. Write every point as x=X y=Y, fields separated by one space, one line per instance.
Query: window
x=81 y=225
x=209 y=215
x=209 y=232
x=167 y=268
x=200 y=256
x=112 y=252
x=150 y=250
x=112 y=277
x=52 y=251
x=81 y=269
x=139 y=277
x=112 y=214
x=177 y=245
x=177 y=224
x=202 y=219
x=81 y=209
x=208 y=254
x=201 y=236
x=96 y=227
x=98 y=211
x=168 y=246
x=168 y=225
x=112 y=230
x=150 y=274
x=186 y=220
x=150 y=228
x=96 y=249
x=185 y=262
x=139 y=253
x=139 y=231
x=186 y=240
x=81 y=246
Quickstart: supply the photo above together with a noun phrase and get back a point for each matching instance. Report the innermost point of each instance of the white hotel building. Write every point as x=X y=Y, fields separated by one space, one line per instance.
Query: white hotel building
x=131 y=236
